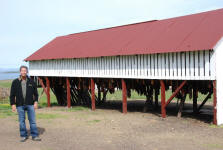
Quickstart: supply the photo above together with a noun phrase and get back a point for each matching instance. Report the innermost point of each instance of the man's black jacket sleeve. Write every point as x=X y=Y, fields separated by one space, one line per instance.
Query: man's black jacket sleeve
x=35 y=92
x=12 y=94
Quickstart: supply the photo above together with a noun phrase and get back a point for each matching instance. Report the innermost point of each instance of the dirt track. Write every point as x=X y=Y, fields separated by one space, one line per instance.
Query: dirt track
x=109 y=129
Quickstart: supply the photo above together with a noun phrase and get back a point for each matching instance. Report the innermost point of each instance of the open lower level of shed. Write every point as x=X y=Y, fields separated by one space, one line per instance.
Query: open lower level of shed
x=72 y=91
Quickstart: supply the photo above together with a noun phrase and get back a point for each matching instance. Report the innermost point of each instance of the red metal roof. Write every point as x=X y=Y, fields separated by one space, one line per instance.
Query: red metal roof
x=187 y=33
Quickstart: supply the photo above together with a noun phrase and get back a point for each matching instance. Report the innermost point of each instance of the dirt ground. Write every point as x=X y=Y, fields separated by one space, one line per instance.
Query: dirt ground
x=108 y=129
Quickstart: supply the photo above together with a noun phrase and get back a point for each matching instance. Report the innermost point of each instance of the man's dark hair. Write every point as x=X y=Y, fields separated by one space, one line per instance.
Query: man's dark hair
x=23 y=67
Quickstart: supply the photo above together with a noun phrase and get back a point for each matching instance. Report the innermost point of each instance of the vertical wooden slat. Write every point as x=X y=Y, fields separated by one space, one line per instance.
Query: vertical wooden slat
x=130 y=65
x=109 y=66
x=187 y=65
x=159 y=68
x=163 y=65
x=179 y=71
x=167 y=66
x=121 y=66
x=139 y=66
x=201 y=64
x=102 y=67
x=192 y=65
x=113 y=66
x=207 y=65
x=196 y=64
x=80 y=67
x=144 y=66
x=148 y=66
x=152 y=65
x=171 y=65
x=183 y=66
x=175 y=65
x=135 y=66
x=97 y=66
x=156 y=65
x=125 y=65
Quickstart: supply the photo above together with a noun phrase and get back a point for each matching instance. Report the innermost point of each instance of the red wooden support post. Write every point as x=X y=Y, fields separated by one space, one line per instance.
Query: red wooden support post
x=214 y=103
x=68 y=92
x=124 y=97
x=48 y=91
x=163 y=97
x=92 y=94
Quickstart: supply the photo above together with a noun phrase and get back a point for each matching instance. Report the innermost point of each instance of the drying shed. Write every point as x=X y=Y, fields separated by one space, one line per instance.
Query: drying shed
x=183 y=54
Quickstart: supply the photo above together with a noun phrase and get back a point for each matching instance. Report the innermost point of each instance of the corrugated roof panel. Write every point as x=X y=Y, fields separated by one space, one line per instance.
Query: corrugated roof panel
x=188 y=33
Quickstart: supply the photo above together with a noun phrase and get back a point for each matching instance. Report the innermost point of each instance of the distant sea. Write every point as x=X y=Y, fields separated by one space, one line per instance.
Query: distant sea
x=6 y=74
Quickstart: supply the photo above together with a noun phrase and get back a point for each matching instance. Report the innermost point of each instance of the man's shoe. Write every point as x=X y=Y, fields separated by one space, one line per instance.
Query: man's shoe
x=23 y=139
x=36 y=138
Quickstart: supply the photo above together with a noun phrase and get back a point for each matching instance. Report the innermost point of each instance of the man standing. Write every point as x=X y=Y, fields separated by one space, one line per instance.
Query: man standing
x=24 y=98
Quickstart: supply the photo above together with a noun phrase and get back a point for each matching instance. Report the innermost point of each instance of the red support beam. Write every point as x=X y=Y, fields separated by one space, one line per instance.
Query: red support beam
x=92 y=94
x=48 y=91
x=124 y=97
x=175 y=92
x=214 y=103
x=68 y=92
x=163 y=97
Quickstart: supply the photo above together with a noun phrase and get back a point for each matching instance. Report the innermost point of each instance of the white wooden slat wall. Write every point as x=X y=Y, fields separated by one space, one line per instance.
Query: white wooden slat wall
x=198 y=65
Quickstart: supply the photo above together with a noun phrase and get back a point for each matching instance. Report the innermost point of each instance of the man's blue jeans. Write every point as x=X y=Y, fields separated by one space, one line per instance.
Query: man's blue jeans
x=32 y=120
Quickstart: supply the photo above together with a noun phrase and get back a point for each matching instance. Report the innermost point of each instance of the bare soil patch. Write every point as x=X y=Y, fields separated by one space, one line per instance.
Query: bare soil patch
x=106 y=128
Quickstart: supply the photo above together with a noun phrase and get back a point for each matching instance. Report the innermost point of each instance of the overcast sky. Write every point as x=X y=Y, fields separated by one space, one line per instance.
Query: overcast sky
x=27 y=25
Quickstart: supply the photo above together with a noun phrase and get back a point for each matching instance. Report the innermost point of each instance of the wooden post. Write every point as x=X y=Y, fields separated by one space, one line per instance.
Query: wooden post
x=124 y=97
x=68 y=92
x=48 y=91
x=156 y=97
x=92 y=94
x=214 y=103
x=163 y=96
x=182 y=101
x=43 y=86
x=195 y=98
x=99 y=92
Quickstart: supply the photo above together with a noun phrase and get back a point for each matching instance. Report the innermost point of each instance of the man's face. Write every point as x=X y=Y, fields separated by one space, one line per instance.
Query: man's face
x=23 y=72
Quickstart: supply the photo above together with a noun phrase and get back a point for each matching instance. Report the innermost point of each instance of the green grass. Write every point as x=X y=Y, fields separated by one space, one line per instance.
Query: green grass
x=5 y=83
x=135 y=96
x=215 y=146
x=5 y=111
x=215 y=126
x=75 y=108
x=118 y=95
x=43 y=99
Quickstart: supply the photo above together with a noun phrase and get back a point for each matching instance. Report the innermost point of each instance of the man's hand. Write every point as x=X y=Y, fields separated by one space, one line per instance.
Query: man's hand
x=13 y=108
x=36 y=105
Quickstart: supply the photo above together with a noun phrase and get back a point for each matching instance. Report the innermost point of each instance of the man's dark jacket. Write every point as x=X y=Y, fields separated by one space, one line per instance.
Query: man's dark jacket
x=16 y=96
